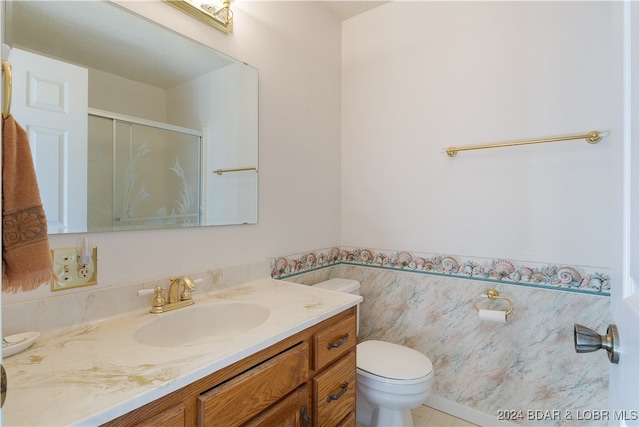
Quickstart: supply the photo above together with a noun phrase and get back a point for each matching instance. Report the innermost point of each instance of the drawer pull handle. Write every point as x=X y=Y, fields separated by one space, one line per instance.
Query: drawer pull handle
x=305 y=416
x=337 y=344
x=339 y=394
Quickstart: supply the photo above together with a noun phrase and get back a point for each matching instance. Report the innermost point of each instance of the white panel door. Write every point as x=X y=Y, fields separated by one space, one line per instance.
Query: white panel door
x=50 y=103
x=624 y=397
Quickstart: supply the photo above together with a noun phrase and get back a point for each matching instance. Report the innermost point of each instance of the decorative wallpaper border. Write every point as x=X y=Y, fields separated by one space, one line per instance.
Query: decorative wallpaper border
x=551 y=276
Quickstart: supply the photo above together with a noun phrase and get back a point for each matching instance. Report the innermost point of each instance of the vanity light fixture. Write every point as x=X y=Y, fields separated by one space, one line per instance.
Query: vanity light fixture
x=216 y=13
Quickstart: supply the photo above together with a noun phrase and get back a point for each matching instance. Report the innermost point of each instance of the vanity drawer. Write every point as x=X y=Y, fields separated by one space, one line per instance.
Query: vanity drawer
x=334 y=392
x=333 y=342
x=237 y=400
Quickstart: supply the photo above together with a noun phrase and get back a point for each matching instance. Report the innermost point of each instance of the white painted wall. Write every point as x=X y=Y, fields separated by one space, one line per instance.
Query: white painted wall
x=224 y=97
x=113 y=93
x=421 y=76
x=413 y=78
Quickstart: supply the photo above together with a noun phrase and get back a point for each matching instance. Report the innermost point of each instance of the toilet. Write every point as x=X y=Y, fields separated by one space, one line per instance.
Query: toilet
x=391 y=379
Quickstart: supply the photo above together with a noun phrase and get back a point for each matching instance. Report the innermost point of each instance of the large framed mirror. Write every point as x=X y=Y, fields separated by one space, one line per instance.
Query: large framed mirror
x=131 y=125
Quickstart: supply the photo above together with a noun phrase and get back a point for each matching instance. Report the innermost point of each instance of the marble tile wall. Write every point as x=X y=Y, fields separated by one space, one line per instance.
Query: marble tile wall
x=527 y=364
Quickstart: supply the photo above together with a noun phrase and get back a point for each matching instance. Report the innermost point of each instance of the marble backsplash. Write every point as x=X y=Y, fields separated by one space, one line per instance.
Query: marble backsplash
x=527 y=366
x=83 y=305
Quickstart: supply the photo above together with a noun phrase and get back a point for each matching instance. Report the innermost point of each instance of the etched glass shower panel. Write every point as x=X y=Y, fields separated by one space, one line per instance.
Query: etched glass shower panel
x=156 y=177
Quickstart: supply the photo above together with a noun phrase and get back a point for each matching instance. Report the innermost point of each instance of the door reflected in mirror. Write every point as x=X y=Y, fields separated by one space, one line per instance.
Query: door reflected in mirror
x=128 y=121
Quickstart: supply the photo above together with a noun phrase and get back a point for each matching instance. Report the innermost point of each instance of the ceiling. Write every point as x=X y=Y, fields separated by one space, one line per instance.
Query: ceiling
x=347 y=9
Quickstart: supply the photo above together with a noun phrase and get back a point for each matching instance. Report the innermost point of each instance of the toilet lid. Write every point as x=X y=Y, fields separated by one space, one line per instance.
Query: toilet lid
x=393 y=361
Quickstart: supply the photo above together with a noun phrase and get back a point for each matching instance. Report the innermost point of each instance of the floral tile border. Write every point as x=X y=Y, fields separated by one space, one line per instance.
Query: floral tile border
x=551 y=276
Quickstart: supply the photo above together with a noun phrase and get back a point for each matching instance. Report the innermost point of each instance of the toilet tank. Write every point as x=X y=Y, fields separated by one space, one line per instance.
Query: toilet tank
x=347 y=286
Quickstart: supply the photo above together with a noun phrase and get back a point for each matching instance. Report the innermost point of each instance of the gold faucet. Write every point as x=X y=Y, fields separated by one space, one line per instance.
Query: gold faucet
x=174 y=299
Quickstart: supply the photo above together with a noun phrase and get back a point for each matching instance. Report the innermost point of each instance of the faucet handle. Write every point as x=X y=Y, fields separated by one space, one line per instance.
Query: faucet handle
x=158 y=300
x=189 y=286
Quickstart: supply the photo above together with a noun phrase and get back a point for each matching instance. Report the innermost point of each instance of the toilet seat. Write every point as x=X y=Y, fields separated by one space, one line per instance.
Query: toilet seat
x=392 y=363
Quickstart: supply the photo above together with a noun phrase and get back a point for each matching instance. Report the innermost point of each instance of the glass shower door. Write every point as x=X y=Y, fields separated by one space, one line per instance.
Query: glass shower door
x=147 y=176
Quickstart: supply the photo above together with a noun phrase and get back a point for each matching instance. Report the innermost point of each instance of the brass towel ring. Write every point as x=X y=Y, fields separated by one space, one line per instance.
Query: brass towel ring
x=6 y=105
x=493 y=294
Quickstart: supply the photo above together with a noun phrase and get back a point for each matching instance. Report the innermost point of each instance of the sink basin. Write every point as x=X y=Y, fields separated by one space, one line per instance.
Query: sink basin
x=199 y=322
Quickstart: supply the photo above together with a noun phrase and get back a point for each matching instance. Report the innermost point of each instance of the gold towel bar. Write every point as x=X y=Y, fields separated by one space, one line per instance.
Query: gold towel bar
x=221 y=171
x=493 y=294
x=592 y=138
x=6 y=105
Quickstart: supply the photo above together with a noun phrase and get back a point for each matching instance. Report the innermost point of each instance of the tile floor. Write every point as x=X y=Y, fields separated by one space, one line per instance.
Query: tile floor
x=424 y=416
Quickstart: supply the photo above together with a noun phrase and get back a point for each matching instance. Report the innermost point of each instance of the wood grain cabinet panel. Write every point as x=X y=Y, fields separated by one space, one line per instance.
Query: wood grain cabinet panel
x=334 y=392
x=349 y=421
x=237 y=400
x=172 y=417
x=292 y=411
x=333 y=342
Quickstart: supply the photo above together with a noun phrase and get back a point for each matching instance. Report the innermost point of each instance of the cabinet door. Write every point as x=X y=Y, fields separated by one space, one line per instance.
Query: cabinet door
x=292 y=411
x=240 y=399
x=334 y=392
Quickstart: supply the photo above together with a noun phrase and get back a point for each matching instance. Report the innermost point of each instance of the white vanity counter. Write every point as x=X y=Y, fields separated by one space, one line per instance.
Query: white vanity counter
x=92 y=373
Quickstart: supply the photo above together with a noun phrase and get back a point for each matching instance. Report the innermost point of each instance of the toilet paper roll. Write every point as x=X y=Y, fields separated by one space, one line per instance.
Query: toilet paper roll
x=493 y=316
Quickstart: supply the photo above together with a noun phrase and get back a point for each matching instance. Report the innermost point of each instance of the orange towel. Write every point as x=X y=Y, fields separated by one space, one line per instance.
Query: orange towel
x=26 y=258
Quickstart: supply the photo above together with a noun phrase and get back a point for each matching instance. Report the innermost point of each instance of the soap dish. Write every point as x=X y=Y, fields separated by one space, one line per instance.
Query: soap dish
x=16 y=343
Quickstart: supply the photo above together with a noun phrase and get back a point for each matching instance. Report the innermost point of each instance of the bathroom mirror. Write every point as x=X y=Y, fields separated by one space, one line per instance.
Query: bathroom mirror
x=131 y=125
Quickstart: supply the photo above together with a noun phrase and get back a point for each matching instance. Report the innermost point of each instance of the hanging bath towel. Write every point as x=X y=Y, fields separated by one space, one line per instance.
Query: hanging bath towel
x=26 y=258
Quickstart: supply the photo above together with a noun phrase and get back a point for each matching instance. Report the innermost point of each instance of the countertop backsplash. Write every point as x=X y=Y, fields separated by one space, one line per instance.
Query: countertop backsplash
x=61 y=310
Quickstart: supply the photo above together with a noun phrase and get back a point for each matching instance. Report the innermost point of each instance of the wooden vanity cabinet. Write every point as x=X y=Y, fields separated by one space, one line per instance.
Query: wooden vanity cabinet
x=306 y=380
x=334 y=385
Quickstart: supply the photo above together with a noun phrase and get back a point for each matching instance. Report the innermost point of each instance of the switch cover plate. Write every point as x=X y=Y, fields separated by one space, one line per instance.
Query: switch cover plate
x=71 y=273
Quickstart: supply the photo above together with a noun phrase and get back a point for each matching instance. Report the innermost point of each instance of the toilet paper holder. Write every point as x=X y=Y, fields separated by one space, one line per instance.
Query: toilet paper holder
x=494 y=294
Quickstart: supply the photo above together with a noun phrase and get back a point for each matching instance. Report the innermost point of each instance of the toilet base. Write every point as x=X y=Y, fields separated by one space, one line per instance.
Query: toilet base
x=373 y=416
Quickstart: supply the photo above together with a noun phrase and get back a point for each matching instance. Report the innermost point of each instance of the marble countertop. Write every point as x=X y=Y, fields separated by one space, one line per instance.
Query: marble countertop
x=92 y=373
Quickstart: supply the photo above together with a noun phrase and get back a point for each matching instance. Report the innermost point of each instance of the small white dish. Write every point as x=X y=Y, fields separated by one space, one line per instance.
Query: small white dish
x=16 y=343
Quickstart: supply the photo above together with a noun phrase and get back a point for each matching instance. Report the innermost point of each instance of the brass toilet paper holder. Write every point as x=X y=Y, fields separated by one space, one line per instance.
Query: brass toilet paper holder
x=494 y=294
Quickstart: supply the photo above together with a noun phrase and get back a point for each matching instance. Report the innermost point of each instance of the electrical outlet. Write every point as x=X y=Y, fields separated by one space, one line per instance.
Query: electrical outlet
x=84 y=272
x=71 y=273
